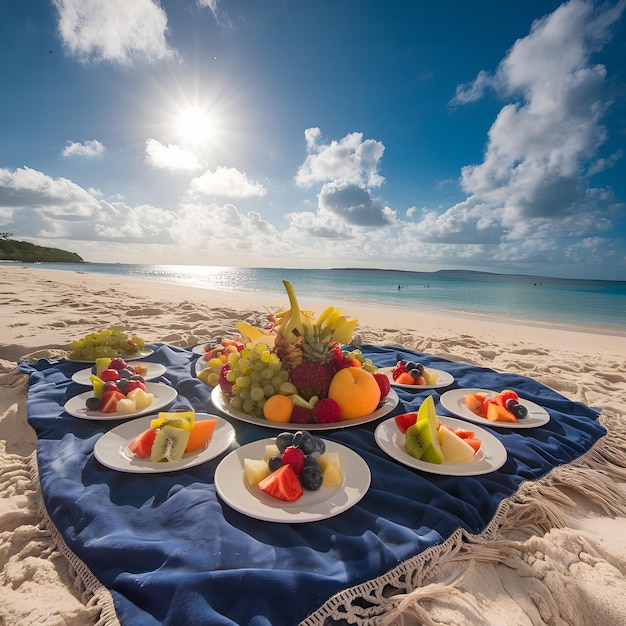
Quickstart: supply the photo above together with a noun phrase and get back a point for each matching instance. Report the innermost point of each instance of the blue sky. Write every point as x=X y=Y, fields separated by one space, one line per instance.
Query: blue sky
x=407 y=135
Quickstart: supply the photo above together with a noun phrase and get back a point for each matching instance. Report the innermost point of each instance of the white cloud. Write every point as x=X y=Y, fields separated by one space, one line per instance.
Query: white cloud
x=118 y=31
x=90 y=148
x=350 y=159
x=170 y=157
x=533 y=180
x=226 y=181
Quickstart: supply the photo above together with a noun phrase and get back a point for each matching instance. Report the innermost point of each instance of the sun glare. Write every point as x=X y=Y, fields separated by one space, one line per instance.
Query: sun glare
x=194 y=125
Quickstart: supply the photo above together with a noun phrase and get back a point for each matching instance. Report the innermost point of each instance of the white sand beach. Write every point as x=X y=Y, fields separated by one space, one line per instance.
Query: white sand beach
x=569 y=568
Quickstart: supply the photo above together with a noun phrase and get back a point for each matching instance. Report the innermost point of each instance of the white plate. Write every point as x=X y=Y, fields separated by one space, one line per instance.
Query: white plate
x=154 y=371
x=144 y=352
x=199 y=349
x=389 y=403
x=445 y=379
x=112 y=451
x=163 y=395
x=490 y=457
x=326 y=502
x=454 y=401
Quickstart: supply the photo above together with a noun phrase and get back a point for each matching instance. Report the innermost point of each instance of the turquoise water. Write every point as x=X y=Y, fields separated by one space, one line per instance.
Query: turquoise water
x=555 y=301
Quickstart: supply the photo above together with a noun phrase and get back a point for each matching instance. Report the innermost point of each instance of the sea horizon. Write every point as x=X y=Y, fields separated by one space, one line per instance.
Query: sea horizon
x=583 y=304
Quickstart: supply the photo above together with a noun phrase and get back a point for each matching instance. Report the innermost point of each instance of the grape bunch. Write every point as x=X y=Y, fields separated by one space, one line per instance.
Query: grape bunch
x=111 y=342
x=365 y=362
x=256 y=373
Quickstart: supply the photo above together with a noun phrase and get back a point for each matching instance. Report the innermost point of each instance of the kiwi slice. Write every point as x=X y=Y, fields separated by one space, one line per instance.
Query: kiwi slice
x=417 y=440
x=169 y=444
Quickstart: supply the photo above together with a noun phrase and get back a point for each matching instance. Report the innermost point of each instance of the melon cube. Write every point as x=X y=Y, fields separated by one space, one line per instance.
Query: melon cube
x=270 y=451
x=125 y=405
x=255 y=470
x=332 y=474
x=142 y=399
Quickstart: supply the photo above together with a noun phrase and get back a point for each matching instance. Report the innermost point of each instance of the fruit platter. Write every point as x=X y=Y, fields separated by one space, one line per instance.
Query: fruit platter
x=487 y=407
x=160 y=443
x=439 y=445
x=295 y=373
x=411 y=375
x=260 y=481
x=108 y=342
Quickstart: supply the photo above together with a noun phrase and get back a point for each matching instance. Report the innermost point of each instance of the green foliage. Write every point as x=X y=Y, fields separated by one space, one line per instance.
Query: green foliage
x=30 y=253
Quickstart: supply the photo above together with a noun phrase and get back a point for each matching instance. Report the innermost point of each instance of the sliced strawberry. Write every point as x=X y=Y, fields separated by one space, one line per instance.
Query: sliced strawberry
x=405 y=420
x=464 y=434
x=505 y=395
x=141 y=445
x=282 y=484
x=109 y=401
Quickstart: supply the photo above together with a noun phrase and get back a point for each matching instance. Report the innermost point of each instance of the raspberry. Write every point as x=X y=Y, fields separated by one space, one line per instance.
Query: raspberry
x=295 y=457
x=326 y=411
x=400 y=368
x=341 y=360
x=383 y=383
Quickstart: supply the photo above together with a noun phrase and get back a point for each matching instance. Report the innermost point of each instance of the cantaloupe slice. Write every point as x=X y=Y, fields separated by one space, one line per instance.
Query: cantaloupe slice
x=497 y=413
x=200 y=434
x=474 y=401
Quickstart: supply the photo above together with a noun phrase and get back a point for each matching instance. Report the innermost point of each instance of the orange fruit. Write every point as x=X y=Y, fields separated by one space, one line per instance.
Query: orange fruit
x=200 y=435
x=278 y=408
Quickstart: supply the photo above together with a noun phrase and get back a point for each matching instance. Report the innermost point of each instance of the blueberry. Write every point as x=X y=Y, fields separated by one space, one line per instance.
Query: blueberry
x=92 y=403
x=125 y=373
x=318 y=447
x=519 y=410
x=311 y=477
x=303 y=439
x=274 y=462
x=122 y=384
x=138 y=377
x=284 y=440
x=309 y=459
x=509 y=403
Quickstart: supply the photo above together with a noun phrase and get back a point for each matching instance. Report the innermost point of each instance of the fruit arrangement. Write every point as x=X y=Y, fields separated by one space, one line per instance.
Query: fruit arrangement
x=294 y=463
x=426 y=438
x=214 y=357
x=411 y=373
x=296 y=370
x=500 y=407
x=110 y=342
x=118 y=387
x=171 y=435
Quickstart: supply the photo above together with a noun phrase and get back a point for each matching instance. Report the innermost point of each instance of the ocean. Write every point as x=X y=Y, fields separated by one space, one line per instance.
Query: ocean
x=596 y=304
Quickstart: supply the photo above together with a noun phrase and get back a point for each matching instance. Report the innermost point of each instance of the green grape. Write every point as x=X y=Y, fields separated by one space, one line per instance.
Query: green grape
x=256 y=372
x=110 y=342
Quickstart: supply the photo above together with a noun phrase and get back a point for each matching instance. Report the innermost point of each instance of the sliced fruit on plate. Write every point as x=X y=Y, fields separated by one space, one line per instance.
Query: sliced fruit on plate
x=255 y=470
x=454 y=449
x=282 y=484
x=178 y=419
x=497 y=413
x=110 y=400
x=200 y=434
x=332 y=473
x=141 y=445
x=404 y=420
x=169 y=444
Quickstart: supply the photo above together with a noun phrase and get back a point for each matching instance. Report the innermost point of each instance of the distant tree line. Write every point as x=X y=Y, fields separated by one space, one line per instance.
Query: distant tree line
x=11 y=250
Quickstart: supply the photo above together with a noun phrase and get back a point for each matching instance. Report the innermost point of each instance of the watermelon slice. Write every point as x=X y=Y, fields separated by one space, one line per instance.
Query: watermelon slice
x=282 y=484
x=110 y=400
x=405 y=420
x=141 y=445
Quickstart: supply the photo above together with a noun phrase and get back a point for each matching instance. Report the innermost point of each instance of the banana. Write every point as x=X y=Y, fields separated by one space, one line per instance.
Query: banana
x=255 y=335
x=343 y=329
x=296 y=322
x=333 y=318
x=324 y=315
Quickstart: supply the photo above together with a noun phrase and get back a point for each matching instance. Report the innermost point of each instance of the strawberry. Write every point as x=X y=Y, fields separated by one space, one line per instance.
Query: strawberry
x=135 y=384
x=282 y=484
x=383 y=383
x=340 y=359
x=109 y=401
x=312 y=379
x=141 y=445
x=326 y=411
x=295 y=457
x=400 y=368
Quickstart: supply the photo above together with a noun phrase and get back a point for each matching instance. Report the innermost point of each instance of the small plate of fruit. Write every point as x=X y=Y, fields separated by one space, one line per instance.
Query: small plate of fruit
x=504 y=409
x=413 y=375
x=166 y=442
x=439 y=445
x=145 y=369
x=121 y=396
x=294 y=477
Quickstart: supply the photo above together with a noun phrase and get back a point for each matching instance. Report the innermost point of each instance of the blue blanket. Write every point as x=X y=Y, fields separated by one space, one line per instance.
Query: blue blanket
x=171 y=552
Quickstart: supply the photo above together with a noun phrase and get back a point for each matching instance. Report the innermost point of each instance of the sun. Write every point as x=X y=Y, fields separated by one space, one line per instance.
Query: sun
x=194 y=125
